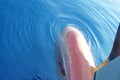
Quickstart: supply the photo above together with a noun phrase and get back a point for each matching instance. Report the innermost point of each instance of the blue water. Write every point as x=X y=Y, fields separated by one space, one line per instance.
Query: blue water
x=29 y=30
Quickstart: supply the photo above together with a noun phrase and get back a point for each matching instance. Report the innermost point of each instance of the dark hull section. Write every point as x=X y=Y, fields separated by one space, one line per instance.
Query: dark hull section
x=116 y=46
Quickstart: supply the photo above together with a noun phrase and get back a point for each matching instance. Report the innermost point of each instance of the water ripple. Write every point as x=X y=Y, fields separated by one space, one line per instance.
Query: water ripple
x=95 y=20
x=29 y=31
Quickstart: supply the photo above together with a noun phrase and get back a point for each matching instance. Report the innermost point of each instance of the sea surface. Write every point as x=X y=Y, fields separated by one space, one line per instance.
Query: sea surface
x=29 y=30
